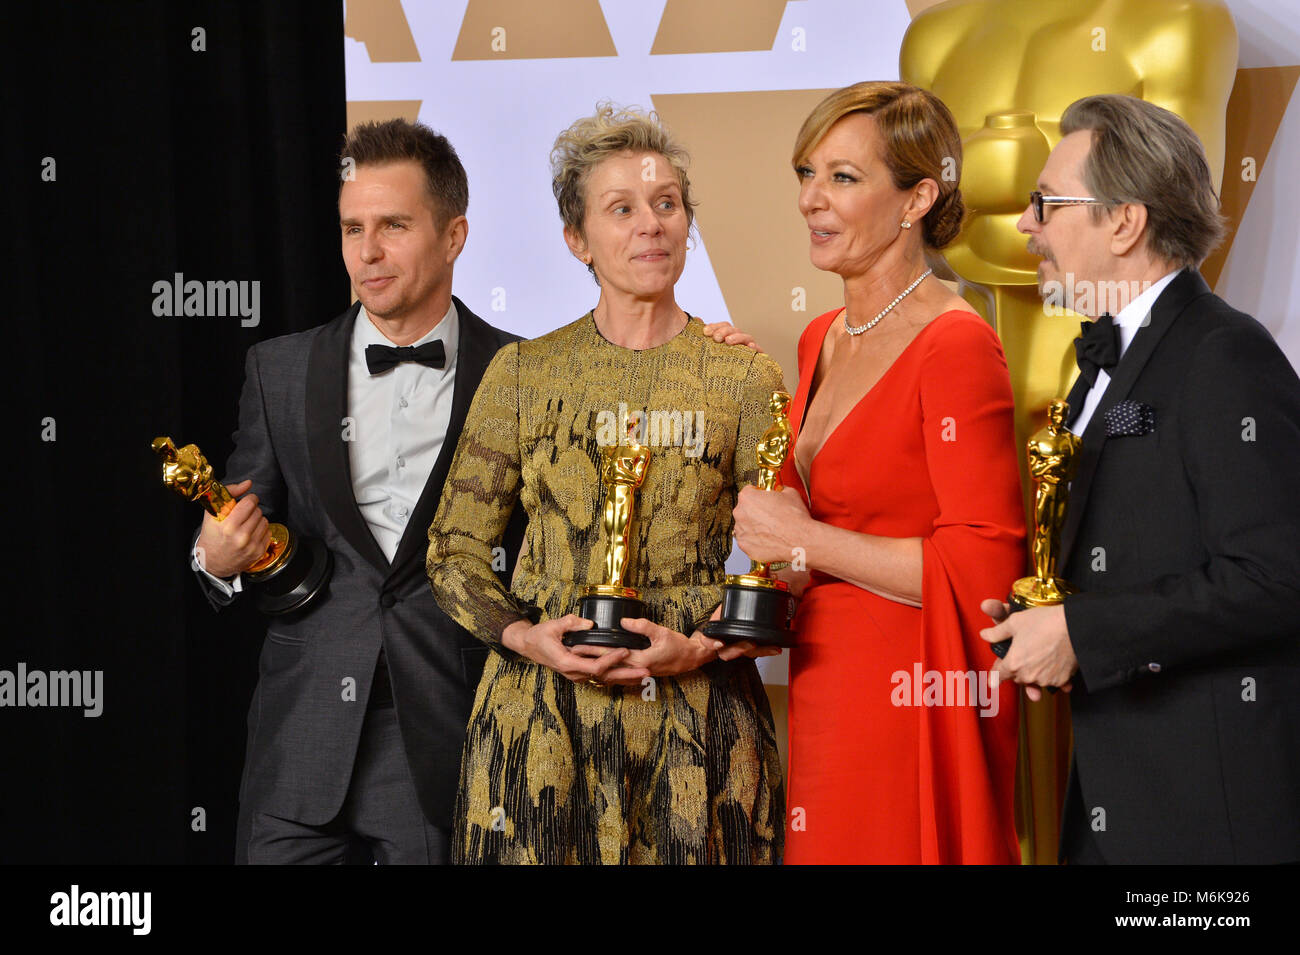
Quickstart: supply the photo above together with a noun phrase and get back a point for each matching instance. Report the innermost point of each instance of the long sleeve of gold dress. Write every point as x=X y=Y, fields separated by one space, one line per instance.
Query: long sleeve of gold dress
x=684 y=769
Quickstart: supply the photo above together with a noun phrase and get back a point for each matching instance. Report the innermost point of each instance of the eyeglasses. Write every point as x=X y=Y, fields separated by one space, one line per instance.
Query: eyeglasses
x=1037 y=200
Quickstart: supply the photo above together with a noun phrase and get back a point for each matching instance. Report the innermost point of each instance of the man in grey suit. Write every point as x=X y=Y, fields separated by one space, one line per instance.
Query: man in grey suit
x=346 y=433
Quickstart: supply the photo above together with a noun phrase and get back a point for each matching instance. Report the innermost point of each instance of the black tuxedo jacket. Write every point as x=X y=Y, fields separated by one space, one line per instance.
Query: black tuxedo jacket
x=303 y=724
x=1185 y=543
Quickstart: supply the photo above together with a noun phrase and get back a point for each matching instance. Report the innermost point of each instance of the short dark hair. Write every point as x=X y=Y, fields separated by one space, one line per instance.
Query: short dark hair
x=1145 y=154
x=397 y=140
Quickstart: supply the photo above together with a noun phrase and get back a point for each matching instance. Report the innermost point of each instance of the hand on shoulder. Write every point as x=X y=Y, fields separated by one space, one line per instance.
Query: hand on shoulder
x=725 y=333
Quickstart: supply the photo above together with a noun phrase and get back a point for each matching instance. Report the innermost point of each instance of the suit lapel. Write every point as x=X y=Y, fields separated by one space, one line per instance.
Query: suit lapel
x=1076 y=398
x=327 y=406
x=475 y=351
x=1185 y=288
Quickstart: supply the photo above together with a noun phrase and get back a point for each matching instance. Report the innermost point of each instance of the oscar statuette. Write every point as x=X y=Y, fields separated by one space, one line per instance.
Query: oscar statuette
x=1053 y=461
x=757 y=606
x=622 y=472
x=293 y=571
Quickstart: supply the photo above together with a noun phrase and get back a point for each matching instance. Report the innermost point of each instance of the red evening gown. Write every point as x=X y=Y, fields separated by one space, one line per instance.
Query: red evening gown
x=883 y=770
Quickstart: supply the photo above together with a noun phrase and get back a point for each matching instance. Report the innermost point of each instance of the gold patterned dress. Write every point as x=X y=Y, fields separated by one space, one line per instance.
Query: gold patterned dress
x=684 y=770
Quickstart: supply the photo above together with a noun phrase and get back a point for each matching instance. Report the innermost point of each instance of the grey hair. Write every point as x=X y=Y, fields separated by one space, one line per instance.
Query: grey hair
x=610 y=131
x=1144 y=154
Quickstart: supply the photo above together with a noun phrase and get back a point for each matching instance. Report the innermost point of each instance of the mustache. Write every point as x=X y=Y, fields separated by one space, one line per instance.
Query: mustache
x=1034 y=248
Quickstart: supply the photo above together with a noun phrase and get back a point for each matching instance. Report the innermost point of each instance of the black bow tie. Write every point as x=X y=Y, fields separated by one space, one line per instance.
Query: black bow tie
x=380 y=358
x=1097 y=347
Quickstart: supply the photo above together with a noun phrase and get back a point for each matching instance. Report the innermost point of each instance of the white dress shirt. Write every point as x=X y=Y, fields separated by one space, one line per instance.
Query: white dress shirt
x=399 y=420
x=1132 y=317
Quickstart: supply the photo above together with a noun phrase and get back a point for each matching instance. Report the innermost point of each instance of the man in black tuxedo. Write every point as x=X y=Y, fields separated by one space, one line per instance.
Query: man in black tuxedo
x=1182 y=647
x=346 y=433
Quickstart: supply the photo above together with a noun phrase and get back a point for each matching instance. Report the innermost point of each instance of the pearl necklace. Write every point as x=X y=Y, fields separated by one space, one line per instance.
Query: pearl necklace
x=859 y=329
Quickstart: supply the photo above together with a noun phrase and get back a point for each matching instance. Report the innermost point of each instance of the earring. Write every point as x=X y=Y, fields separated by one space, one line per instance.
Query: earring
x=906 y=224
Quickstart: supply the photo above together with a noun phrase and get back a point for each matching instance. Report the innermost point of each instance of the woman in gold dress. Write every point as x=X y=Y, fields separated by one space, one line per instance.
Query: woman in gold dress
x=586 y=755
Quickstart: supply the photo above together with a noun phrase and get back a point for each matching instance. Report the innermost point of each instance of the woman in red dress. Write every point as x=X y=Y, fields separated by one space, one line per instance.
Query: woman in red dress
x=902 y=500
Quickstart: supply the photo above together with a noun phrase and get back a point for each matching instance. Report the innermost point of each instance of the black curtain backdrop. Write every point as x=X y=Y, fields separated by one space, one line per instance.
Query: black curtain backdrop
x=218 y=164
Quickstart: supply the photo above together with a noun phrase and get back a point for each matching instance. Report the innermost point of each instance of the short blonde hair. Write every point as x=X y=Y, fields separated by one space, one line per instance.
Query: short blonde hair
x=593 y=139
x=921 y=141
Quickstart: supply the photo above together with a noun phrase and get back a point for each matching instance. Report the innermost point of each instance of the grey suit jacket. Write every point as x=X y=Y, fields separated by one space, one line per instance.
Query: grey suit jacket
x=303 y=724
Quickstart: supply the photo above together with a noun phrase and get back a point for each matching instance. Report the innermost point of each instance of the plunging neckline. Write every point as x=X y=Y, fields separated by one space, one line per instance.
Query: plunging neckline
x=806 y=480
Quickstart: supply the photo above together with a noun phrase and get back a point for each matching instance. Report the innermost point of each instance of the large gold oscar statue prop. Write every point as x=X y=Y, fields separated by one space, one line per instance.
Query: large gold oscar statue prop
x=757 y=606
x=1008 y=69
x=622 y=472
x=293 y=571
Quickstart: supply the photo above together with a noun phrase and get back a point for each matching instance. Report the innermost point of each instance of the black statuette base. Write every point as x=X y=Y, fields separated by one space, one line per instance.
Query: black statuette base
x=759 y=614
x=607 y=614
x=303 y=578
x=1002 y=646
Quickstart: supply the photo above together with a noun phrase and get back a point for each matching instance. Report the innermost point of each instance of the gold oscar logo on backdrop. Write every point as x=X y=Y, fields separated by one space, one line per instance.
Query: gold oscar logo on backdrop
x=748 y=216
x=378 y=110
x=1259 y=100
x=527 y=30
x=381 y=25
x=720 y=26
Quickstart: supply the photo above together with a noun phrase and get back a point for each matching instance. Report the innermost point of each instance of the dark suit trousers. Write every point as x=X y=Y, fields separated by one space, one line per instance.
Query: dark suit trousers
x=1078 y=841
x=381 y=820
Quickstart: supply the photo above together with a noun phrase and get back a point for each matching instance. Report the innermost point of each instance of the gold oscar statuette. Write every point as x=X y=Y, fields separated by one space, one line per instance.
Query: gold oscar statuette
x=622 y=472
x=1053 y=455
x=293 y=571
x=757 y=606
